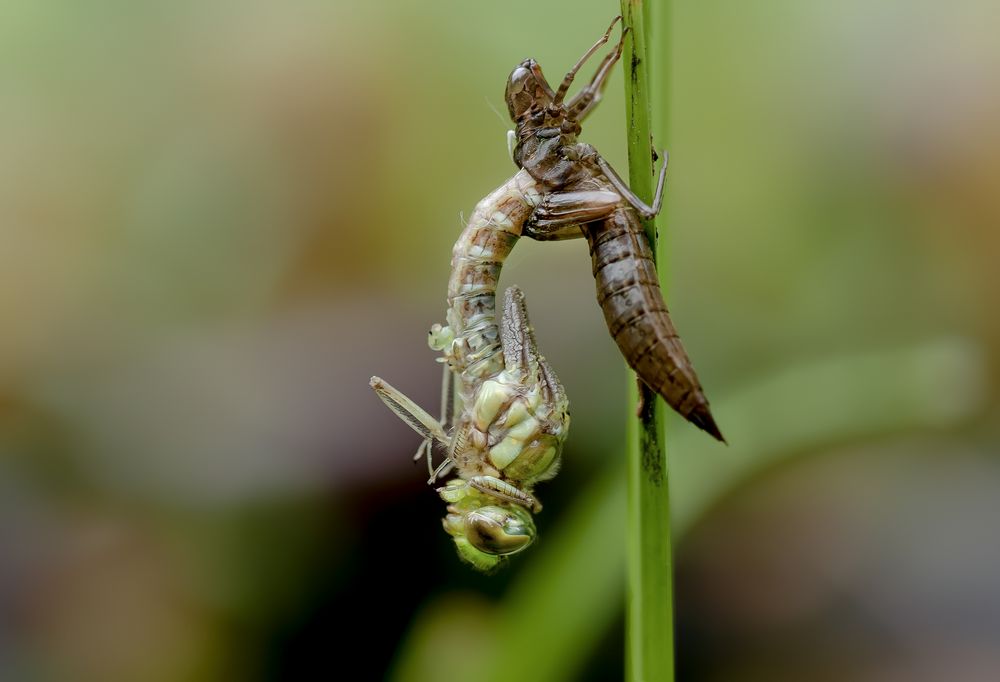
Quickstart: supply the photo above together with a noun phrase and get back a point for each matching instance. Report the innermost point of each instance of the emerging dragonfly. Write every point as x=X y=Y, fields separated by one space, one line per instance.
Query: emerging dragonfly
x=584 y=196
x=505 y=415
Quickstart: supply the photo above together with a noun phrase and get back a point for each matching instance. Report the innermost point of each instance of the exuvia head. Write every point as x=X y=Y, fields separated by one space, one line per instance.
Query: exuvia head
x=533 y=104
x=527 y=91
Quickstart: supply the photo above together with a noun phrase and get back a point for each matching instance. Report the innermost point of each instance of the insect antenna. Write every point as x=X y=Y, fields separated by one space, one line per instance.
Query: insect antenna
x=503 y=121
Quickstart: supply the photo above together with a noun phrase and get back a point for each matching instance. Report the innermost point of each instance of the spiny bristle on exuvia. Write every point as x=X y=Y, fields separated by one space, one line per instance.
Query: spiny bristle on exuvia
x=702 y=418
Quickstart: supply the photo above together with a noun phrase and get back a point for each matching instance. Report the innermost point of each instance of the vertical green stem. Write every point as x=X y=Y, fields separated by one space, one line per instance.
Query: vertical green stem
x=649 y=608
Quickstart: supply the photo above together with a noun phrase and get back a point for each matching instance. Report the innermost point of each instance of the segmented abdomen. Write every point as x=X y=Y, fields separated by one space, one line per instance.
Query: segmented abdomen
x=492 y=230
x=628 y=291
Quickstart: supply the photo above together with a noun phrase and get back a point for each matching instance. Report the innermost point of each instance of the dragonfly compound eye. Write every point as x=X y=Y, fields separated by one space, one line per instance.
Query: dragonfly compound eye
x=499 y=530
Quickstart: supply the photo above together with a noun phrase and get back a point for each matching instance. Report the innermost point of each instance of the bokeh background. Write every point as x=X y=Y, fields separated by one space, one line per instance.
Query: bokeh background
x=218 y=219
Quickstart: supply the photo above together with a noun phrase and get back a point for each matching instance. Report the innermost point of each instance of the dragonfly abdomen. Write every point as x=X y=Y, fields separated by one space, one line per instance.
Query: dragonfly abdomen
x=477 y=258
x=628 y=291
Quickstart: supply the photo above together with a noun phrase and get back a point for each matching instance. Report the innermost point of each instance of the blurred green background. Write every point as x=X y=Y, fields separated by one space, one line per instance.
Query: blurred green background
x=218 y=219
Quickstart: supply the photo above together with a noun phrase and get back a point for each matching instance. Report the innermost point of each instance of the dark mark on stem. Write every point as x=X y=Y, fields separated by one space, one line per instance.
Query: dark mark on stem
x=649 y=436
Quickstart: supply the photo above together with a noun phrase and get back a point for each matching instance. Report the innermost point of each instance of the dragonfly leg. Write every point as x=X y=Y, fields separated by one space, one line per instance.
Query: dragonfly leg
x=585 y=100
x=411 y=413
x=505 y=491
x=426 y=448
x=628 y=195
x=448 y=398
x=492 y=486
x=560 y=214
x=442 y=470
x=568 y=79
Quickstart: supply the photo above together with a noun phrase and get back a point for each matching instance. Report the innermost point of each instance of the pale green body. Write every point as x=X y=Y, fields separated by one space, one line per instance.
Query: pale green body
x=510 y=413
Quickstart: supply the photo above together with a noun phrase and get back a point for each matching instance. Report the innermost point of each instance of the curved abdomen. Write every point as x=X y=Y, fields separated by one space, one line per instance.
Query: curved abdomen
x=628 y=291
x=477 y=258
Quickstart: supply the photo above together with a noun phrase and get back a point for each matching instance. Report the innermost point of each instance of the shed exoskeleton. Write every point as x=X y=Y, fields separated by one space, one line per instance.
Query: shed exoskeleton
x=505 y=414
x=583 y=196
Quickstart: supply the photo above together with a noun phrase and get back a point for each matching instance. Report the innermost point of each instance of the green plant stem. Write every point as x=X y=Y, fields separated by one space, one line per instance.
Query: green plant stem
x=649 y=597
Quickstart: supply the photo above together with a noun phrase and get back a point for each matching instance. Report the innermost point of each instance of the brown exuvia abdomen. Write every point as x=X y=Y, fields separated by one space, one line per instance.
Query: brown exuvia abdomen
x=628 y=291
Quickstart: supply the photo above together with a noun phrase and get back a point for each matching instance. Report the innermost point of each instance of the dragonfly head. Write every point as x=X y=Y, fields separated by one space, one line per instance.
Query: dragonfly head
x=536 y=110
x=527 y=91
x=485 y=535
x=545 y=122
